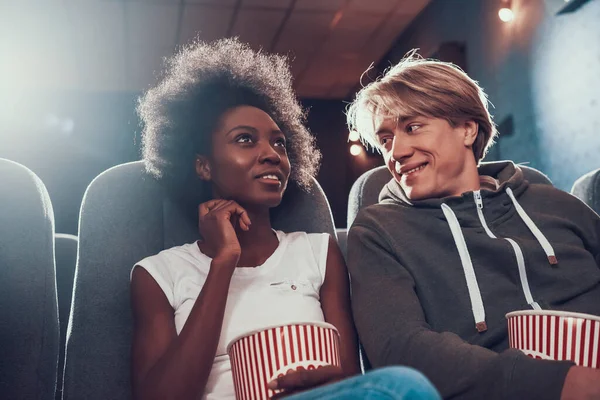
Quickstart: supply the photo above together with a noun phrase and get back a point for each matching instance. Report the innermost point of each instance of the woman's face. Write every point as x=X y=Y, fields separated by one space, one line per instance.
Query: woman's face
x=248 y=161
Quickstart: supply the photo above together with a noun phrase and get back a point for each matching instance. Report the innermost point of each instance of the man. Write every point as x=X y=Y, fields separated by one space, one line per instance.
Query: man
x=453 y=246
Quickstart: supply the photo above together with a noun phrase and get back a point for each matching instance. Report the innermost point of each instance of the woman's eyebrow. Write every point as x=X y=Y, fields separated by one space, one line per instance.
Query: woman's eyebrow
x=244 y=127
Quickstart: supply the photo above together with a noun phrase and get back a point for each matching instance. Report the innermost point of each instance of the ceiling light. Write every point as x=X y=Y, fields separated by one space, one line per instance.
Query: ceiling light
x=356 y=149
x=353 y=136
x=506 y=13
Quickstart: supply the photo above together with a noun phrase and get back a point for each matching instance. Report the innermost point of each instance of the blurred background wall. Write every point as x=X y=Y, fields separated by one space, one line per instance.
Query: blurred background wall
x=71 y=73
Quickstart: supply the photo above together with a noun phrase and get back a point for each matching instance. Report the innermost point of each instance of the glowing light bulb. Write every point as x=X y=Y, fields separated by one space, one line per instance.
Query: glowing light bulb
x=506 y=14
x=353 y=136
x=356 y=149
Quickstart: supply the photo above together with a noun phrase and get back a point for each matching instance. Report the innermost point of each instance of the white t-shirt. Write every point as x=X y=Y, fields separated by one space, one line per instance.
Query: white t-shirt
x=285 y=289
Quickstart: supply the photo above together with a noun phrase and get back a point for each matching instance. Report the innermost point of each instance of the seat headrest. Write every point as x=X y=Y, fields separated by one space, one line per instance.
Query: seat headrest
x=587 y=189
x=29 y=333
x=365 y=191
x=129 y=192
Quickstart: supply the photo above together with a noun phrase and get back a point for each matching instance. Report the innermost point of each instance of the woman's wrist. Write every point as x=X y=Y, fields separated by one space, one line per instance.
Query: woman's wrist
x=224 y=263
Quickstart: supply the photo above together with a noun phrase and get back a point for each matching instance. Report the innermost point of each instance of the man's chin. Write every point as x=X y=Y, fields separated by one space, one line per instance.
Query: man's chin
x=414 y=194
x=409 y=192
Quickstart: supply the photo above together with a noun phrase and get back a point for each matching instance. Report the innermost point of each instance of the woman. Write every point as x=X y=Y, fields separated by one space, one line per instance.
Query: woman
x=224 y=121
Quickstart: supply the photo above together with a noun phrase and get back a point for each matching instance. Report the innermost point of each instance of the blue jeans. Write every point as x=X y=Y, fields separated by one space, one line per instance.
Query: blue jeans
x=390 y=383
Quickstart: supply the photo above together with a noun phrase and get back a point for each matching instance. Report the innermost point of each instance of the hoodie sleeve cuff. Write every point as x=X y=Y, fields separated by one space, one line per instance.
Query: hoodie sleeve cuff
x=537 y=379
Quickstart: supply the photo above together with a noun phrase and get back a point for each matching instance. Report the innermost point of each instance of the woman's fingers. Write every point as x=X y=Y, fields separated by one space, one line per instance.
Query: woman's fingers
x=243 y=218
x=229 y=207
x=302 y=379
x=208 y=206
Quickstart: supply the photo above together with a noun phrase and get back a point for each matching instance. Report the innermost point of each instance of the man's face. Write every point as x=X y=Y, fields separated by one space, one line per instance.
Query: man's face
x=427 y=156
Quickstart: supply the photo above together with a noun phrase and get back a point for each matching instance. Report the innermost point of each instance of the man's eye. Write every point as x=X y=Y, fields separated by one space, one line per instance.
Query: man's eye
x=385 y=140
x=412 y=128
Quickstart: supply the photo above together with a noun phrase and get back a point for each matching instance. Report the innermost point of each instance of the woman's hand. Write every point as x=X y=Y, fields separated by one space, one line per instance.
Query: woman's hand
x=304 y=379
x=217 y=221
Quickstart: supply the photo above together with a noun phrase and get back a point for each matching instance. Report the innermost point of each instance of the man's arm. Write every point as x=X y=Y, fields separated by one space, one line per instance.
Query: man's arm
x=589 y=222
x=573 y=209
x=393 y=330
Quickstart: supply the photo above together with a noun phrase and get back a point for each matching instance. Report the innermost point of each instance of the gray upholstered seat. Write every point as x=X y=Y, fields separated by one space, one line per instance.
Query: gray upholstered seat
x=342 y=236
x=587 y=188
x=365 y=190
x=125 y=217
x=28 y=307
x=65 y=250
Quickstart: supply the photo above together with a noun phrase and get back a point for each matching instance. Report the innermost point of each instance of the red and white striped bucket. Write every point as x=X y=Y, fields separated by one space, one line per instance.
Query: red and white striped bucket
x=556 y=335
x=261 y=356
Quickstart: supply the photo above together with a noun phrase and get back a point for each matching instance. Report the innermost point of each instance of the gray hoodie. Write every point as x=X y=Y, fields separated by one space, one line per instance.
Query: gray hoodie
x=432 y=281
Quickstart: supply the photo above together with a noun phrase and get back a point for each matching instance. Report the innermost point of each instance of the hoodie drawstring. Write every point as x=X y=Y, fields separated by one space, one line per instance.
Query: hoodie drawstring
x=467 y=264
x=465 y=258
x=534 y=229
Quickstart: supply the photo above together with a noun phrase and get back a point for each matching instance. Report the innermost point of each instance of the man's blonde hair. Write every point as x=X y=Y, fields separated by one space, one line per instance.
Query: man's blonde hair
x=421 y=87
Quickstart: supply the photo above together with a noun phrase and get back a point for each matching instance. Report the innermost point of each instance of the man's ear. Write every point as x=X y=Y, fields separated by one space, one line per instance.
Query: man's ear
x=471 y=130
x=203 y=168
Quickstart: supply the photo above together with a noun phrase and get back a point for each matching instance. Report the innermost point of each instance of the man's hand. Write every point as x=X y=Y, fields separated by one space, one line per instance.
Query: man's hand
x=581 y=383
x=304 y=379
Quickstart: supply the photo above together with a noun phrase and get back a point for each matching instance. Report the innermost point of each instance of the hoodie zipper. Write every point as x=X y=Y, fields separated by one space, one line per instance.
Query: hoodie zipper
x=479 y=203
x=516 y=248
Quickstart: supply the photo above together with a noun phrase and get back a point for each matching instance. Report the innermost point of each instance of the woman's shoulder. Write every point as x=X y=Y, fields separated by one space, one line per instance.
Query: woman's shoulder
x=174 y=265
x=185 y=251
x=176 y=261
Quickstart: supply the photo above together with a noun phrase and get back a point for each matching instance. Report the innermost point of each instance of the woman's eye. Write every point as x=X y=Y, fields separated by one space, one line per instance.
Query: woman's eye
x=280 y=142
x=244 y=138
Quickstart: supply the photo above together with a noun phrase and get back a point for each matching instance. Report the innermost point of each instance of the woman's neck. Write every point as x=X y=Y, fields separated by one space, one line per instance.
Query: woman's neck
x=259 y=242
x=260 y=231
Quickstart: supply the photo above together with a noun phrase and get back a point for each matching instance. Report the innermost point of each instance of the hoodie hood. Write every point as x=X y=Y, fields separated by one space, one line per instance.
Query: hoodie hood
x=505 y=172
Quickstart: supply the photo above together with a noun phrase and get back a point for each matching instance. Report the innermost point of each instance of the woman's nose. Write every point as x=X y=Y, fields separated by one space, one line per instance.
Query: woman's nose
x=269 y=154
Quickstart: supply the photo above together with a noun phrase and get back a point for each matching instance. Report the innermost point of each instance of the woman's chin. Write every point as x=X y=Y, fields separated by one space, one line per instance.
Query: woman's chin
x=271 y=201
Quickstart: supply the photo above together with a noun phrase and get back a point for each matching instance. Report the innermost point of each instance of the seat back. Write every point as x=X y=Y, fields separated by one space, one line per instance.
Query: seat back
x=365 y=190
x=65 y=250
x=28 y=306
x=587 y=189
x=342 y=236
x=125 y=217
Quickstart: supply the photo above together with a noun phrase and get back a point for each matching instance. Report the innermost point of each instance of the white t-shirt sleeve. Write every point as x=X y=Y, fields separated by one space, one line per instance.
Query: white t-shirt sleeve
x=319 y=242
x=158 y=267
